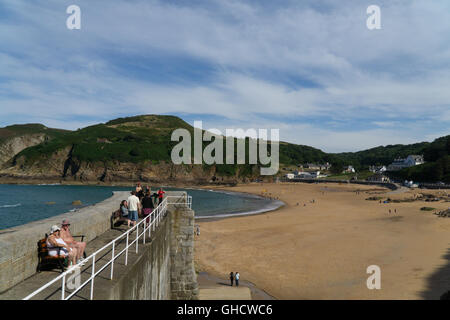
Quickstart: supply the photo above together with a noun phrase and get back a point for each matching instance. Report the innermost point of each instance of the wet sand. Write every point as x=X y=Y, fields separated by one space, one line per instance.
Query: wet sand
x=321 y=250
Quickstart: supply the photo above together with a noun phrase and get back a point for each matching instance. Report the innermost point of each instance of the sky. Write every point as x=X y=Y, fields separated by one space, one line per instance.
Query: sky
x=311 y=69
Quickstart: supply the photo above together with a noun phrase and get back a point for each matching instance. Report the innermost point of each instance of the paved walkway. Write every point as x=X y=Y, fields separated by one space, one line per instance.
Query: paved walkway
x=102 y=281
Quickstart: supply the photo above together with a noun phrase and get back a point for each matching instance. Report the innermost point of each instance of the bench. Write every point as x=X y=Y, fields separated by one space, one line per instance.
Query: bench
x=44 y=259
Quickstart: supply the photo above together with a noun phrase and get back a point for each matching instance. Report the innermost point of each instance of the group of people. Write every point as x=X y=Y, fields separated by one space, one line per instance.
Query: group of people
x=234 y=277
x=61 y=242
x=140 y=203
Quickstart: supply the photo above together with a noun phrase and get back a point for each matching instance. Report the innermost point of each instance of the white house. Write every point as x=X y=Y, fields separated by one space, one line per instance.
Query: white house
x=410 y=161
x=349 y=169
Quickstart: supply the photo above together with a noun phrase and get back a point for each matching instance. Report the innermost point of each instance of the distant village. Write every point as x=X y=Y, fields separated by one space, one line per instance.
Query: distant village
x=316 y=171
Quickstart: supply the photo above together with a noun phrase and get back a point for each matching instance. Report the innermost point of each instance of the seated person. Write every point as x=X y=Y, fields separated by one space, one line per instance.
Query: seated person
x=124 y=208
x=54 y=241
x=67 y=237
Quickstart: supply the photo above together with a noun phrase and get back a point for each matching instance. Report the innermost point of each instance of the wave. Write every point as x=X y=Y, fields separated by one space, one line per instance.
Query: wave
x=10 y=205
x=271 y=207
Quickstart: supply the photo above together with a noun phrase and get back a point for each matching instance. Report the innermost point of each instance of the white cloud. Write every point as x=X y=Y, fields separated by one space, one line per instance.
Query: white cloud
x=385 y=77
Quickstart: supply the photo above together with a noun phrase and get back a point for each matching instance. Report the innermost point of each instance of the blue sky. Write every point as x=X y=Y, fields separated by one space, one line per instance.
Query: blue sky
x=309 y=68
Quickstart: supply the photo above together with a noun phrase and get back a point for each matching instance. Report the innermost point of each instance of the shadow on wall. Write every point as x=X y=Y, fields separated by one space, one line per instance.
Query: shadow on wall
x=438 y=284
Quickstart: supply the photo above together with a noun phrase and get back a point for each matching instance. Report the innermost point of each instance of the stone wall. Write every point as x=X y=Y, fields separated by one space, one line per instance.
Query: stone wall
x=148 y=278
x=165 y=269
x=183 y=277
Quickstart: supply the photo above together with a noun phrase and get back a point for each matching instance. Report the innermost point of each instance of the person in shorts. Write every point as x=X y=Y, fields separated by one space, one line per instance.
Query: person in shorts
x=133 y=208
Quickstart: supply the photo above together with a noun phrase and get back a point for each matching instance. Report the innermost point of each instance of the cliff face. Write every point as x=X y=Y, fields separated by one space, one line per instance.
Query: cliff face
x=62 y=167
x=13 y=146
x=122 y=150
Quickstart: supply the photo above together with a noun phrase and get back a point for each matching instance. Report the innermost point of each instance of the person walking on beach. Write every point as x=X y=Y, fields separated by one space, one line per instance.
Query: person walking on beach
x=133 y=207
x=236 y=277
x=231 y=278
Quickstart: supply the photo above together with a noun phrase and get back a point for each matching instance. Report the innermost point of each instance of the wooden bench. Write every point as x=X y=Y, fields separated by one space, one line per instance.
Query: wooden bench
x=44 y=259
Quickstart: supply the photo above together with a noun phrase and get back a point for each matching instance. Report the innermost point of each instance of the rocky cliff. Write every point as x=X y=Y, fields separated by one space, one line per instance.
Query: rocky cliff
x=12 y=146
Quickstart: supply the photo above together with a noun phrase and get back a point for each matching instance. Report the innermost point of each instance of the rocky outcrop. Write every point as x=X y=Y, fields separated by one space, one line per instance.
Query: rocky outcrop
x=62 y=167
x=13 y=146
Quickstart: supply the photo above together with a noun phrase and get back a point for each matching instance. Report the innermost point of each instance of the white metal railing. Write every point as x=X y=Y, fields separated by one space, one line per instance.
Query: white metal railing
x=154 y=218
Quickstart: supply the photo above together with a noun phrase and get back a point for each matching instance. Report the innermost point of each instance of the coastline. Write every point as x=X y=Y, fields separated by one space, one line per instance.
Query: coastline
x=321 y=250
x=275 y=204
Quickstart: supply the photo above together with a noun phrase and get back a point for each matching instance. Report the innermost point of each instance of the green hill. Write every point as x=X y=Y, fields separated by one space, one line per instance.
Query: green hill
x=144 y=141
x=9 y=132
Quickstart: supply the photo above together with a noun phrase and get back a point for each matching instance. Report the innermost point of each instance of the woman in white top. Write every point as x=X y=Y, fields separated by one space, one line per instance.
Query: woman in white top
x=54 y=241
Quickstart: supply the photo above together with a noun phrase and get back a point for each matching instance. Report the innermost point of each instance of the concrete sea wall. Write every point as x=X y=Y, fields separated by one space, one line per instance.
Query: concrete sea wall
x=164 y=268
x=18 y=245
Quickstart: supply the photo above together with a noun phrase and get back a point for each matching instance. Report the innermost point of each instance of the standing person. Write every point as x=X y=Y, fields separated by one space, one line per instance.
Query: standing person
x=160 y=195
x=198 y=230
x=68 y=238
x=231 y=278
x=236 y=277
x=133 y=208
x=139 y=191
x=147 y=205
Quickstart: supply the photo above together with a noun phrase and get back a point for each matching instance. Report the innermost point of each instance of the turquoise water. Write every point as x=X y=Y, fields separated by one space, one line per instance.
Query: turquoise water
x=20 y=204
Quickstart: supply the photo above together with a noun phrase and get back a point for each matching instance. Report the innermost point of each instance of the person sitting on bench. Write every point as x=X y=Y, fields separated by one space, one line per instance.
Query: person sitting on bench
x=54 y=241
x=68 y=238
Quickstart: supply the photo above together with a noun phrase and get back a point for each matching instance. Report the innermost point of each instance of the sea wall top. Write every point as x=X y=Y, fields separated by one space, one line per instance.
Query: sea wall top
x=18 y=245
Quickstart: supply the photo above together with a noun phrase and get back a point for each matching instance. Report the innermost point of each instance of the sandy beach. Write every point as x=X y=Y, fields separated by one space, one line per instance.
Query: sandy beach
x=321 y=249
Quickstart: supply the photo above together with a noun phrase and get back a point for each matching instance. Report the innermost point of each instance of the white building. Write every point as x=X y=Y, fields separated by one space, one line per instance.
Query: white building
x=349 y=169
x=377 y=169
x=410 y=161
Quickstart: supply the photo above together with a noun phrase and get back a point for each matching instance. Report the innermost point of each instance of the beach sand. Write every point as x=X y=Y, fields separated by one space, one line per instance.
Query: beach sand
x=322 y=250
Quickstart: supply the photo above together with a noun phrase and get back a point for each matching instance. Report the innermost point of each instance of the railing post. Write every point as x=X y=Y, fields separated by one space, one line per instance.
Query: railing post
x=137 y=237
x=92 y=276
x=112 y=261
x=63 y=287
x=126 y=251
x=150 y=226
x=154 y=219
x=143 y=232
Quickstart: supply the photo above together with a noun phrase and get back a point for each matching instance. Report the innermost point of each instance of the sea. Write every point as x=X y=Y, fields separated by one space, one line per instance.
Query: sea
x=20 y=204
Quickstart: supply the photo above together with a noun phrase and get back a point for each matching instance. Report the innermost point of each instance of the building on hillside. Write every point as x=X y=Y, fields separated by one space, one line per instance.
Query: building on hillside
x=378 y=177
x=410 y=161
x=377 y=169
x=349 y=169
x=315 y=166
